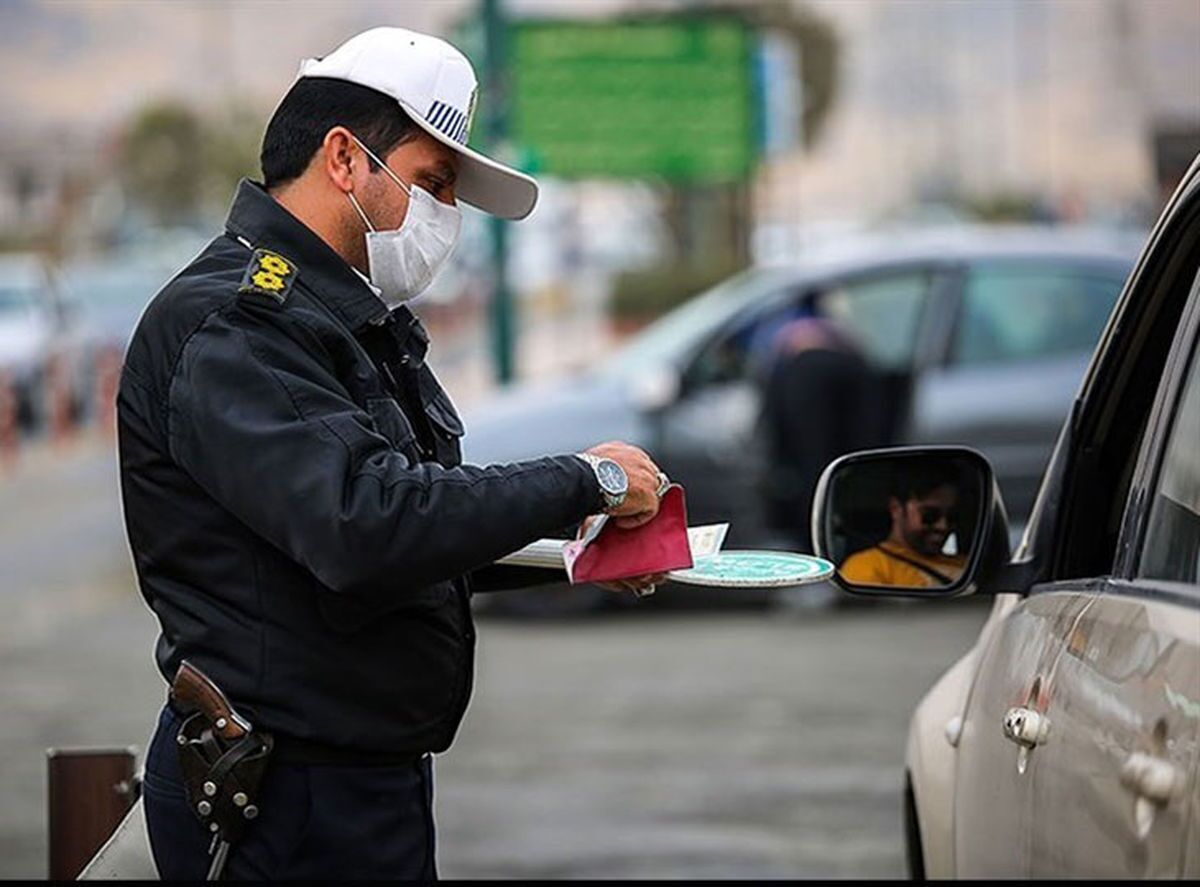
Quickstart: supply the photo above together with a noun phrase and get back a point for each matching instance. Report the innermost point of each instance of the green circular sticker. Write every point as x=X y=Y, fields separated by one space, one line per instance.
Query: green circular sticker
x=754 y=569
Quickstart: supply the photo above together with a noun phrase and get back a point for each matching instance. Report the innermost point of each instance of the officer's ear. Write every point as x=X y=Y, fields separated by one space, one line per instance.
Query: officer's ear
x=342 y=159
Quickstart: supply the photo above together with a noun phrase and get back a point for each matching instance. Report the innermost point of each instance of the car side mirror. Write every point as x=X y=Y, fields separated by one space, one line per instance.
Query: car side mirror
x=911 y=521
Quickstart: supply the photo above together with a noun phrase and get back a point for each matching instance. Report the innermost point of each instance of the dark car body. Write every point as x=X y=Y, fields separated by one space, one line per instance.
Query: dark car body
x=982 y=335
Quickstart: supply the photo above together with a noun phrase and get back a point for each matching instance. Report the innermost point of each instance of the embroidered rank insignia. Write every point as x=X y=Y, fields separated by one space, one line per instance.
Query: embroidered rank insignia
x=269 y=274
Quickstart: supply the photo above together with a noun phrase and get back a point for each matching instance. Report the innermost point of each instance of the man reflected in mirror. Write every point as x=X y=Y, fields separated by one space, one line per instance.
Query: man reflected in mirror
x=922 y=548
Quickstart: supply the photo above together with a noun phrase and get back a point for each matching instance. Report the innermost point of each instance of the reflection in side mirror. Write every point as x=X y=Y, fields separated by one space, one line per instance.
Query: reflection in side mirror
x=908 y=520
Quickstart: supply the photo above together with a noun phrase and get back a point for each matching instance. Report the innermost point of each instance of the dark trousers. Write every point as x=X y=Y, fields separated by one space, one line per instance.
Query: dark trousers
x=316 y=821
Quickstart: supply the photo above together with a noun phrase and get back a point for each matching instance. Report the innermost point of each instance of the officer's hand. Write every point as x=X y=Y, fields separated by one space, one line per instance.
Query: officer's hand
x=641 y=503
x=639 y=585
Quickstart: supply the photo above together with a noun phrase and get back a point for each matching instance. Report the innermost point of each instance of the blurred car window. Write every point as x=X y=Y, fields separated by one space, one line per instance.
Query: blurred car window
x=1013 y=314
x=1172 y=540
x=112 y=296
x=669 y=339
x=884 y=312
x=740 y=351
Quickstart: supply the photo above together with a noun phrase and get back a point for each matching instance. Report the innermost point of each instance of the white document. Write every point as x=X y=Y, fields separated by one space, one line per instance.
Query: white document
x=548 y=553
x=707 y=540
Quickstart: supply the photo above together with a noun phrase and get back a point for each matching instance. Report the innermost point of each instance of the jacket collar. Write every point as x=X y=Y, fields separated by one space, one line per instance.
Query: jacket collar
x=260 y=219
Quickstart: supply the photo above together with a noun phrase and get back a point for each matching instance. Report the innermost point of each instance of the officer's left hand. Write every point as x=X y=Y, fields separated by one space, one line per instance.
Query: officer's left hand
x=639 y=585
x=642 y=586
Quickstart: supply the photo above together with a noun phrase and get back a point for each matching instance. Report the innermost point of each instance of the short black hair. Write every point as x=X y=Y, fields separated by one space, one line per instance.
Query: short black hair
x=315 y=105
x=919 y=482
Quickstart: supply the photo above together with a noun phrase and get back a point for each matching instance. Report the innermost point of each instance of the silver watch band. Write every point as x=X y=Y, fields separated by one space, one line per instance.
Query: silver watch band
x=607 y=498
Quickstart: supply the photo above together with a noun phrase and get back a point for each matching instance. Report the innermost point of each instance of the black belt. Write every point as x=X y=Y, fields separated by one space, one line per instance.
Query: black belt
x=308 y=752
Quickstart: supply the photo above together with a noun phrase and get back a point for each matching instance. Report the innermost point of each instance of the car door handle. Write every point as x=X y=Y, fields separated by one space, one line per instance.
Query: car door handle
x=1152 y=778
x=1027 y=727
x=1154 y=782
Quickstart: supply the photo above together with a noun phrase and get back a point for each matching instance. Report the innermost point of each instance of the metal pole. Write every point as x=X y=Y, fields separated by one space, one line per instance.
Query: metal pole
x=501 y=308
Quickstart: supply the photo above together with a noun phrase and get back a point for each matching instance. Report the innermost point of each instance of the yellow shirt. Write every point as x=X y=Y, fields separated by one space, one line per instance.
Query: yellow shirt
x=885 y=564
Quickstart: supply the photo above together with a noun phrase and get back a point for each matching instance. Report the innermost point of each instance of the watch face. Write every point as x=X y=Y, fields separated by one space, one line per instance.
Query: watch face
x=612 y=477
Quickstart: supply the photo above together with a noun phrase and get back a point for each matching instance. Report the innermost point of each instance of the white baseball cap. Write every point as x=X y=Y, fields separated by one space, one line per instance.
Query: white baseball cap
x=435 y=85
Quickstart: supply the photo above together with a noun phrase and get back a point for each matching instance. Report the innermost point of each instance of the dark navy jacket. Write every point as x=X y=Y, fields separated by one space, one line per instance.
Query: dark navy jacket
x=299 y=518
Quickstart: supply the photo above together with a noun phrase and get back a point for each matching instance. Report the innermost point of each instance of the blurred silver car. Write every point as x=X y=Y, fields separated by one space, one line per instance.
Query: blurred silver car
x=108 y=293
x=982 y=336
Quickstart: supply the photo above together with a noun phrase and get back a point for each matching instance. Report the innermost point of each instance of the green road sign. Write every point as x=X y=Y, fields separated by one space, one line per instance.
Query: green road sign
x=673 y=98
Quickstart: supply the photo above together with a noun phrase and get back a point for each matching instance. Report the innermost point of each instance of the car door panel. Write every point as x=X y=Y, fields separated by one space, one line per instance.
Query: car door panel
x=993 y=805
x=1117 y=779
x=1123 y=698
x=707 y=442
x=1191 y=839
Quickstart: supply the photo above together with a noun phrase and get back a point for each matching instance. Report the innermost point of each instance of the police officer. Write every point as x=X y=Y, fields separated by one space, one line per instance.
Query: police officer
x=300 y=521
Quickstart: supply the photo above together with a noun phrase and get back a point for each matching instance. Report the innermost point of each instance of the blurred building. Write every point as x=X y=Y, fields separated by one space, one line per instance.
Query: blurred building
x=1080 y=105
x=44 y=179
x=1084 y=107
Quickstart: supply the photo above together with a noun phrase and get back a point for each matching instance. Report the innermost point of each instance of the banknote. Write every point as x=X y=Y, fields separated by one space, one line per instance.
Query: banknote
x=707 y=540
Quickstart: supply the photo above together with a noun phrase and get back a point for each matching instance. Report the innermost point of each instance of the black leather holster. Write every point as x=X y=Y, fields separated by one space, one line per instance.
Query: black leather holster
x=222 y=777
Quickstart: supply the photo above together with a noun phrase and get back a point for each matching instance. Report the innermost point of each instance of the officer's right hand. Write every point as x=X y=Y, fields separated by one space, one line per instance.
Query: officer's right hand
x=641 y=502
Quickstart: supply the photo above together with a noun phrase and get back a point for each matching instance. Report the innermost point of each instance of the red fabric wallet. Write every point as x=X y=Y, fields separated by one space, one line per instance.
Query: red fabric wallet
x=616 y=553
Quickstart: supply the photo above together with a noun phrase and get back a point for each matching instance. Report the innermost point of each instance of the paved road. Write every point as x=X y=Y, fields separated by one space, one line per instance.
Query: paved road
x=723 y=744
x=756 y=745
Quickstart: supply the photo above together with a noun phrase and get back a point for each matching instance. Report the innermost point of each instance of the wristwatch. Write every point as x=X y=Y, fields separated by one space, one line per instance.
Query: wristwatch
x=614 y=483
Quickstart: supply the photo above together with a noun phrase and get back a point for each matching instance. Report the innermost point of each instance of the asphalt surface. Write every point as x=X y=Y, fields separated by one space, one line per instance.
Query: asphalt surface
x=698 y=744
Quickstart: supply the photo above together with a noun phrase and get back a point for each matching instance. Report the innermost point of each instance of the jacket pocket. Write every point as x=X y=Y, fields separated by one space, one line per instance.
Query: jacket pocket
x=391 y=422
x=447 y=428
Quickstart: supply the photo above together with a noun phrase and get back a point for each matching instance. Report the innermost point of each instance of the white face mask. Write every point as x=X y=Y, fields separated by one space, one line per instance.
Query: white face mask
x=402 y=263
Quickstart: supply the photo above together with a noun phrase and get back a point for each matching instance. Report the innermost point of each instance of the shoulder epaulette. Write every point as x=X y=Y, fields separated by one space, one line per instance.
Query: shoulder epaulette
x=269 y=274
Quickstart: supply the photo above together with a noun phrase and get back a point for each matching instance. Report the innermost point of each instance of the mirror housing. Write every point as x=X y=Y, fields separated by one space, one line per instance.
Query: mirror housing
x=859 y=515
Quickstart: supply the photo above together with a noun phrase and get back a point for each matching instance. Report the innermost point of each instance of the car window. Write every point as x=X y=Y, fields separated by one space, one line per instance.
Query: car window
x=1171 y=547
x=743 y=349
x=667 y=340
x=883 y=313
x=1013 y=314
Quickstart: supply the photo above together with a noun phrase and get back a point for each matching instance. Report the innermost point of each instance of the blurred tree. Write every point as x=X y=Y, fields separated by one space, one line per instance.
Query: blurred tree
x=640 y=295
x=711 y=226
x=1008 y=206
x=816 y=44
x=161 y=162
x=819 y=56
x=180 y=167
x=230 y=150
